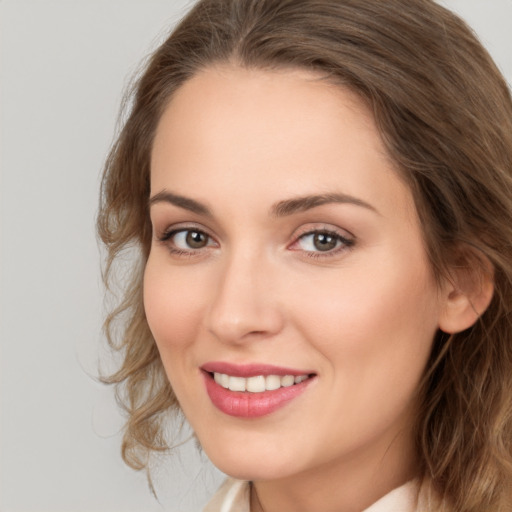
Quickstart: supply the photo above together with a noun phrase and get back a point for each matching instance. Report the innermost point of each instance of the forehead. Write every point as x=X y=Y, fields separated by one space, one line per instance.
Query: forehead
x=259 y=102
x=277 y=133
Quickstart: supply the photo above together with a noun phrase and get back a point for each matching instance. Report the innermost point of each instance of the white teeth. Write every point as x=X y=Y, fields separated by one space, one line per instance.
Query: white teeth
x=287 y=380
x=237 y=383
x=257 y=384
x=272 y=382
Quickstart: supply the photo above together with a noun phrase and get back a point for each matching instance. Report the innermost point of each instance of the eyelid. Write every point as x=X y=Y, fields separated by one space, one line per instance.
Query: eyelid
x=314 y=227
x=348 y=240
x=165 y=236
x=169 y=230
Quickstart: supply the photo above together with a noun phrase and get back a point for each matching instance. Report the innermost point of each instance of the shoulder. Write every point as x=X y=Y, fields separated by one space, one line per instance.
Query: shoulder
x=233 y=495
x=414 y=496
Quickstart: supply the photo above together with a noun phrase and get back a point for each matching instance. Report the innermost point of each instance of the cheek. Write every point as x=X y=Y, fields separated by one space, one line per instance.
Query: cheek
x=173 y=305
x=376 y=327
x=375 y=334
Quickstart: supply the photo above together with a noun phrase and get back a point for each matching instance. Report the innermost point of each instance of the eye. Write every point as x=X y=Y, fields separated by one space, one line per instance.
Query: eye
x=183 y=240
x=322 y=241
x=319 y=242
x=190 y=239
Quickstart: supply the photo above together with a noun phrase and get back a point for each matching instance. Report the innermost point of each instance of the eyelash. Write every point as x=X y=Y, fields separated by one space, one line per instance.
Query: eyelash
x=166 y=239
x=344 y=242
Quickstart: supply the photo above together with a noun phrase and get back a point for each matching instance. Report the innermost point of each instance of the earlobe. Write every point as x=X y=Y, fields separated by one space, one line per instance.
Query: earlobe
x=467 y=293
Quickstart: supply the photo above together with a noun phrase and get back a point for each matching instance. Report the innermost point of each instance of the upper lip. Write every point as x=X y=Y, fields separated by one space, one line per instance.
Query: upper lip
x=250 y=370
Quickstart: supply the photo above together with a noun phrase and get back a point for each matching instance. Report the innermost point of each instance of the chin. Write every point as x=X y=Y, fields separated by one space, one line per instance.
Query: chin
x=241 y=463
x=253 y=471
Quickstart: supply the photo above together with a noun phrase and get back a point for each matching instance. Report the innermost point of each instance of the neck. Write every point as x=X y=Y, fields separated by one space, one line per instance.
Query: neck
x=349 y=485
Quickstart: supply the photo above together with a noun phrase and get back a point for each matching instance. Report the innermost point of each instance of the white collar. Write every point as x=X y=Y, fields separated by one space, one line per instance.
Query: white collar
x=234 y=496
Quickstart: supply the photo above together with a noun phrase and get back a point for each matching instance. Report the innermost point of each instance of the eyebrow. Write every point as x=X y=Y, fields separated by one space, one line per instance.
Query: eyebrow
x=182 y=202
x=279 y=209
x=301 y=204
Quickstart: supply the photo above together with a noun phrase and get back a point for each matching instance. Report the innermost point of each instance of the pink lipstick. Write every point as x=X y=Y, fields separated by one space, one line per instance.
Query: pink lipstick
x=254 y=390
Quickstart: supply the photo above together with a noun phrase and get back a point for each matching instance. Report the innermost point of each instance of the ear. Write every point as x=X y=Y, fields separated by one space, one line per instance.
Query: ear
x=466 y=292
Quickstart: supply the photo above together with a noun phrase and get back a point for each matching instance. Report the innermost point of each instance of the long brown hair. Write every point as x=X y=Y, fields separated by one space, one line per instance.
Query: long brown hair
x=445 y=114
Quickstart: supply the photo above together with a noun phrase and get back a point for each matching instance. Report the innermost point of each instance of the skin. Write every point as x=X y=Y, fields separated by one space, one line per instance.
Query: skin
x=362 y=317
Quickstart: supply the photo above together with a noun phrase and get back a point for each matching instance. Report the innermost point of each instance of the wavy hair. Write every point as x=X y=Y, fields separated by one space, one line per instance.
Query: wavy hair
x=444 y=112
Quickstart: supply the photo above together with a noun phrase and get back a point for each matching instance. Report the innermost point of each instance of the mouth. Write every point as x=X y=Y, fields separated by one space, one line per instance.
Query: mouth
x=257 y=384
x=253 y=391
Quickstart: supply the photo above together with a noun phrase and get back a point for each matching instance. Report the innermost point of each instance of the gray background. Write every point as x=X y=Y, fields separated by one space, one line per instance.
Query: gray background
x=64 y=65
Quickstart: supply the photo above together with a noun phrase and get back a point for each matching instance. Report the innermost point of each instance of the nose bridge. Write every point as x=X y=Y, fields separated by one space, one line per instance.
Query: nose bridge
x=244 y=304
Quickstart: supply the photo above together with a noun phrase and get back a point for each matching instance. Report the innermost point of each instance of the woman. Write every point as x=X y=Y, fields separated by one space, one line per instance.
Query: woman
x=321 y=195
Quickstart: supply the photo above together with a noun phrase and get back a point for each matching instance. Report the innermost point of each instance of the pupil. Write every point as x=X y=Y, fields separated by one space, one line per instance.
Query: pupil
x=196 y=240
x=324 y=242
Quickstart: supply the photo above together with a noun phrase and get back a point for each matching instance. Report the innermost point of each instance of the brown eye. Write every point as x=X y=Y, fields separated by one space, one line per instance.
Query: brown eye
x=325 y=241
x=196 y=239
x=321 y=241
x=187 y=239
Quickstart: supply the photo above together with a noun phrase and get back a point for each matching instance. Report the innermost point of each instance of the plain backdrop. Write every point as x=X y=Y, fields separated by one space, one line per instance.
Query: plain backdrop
x=64 y=65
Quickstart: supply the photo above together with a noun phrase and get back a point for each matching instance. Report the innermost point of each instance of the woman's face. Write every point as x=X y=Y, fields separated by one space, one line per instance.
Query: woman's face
x=288 y=259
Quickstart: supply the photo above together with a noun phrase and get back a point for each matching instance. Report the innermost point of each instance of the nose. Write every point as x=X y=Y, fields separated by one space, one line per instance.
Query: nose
x=245 y=305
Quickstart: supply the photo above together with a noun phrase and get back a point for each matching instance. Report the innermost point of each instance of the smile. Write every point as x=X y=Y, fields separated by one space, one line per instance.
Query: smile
x=253 y=391
x=257 y=384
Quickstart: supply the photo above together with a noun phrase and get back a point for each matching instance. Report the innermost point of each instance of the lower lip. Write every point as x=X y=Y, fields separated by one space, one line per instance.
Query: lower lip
x=251 y=405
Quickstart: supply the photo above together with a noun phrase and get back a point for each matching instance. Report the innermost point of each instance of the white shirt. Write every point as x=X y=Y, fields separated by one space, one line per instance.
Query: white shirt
x=234 y=496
